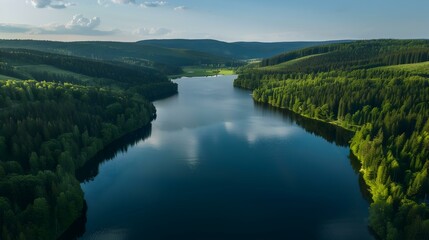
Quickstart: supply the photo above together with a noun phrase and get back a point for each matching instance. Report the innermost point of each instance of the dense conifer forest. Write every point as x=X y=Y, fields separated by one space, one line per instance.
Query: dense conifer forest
x=52 y=125
x=380 y=90
x=58 y=111
x=167 y=60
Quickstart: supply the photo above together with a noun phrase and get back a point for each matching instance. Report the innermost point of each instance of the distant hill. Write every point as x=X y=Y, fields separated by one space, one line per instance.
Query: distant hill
x=235 y=50
x=349 y=56
x=128 y=52
x=167 y=56
x=42 y=66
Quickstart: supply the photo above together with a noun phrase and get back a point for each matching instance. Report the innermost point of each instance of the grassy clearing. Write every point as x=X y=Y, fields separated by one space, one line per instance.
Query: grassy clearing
x=226 y=71
x=28 y=69
x=199 y=71
x=284 y=65
x=415 y=68
x=41 y=68
x=82 y=79
x=4 y=77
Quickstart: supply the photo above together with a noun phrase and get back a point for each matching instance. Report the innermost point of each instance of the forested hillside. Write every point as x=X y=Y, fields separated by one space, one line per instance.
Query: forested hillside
x=167 y=56
x=359 y=54
x=363 y=86
x=51 y=126
x=42 y=66
x=234 y=50
x=167 y=60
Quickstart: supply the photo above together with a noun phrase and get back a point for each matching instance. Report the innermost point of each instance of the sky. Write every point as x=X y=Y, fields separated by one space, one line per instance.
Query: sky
x=226 y=20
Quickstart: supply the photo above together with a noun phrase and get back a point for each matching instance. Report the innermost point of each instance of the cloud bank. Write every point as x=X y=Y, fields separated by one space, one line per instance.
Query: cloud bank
x=146 y=4
x=124 y=1
x=79 y=22
x=152 y=31
x=79 y=25
x=153 y=4
x=56 y=4
x=180 y=8
x=14 y=28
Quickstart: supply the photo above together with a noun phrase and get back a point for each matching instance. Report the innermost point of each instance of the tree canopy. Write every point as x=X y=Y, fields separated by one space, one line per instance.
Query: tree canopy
x=53 y=125
x=351 y=86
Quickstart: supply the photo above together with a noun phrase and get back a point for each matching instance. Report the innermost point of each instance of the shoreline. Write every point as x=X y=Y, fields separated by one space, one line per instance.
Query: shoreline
x=335 y=124
x=103 y=153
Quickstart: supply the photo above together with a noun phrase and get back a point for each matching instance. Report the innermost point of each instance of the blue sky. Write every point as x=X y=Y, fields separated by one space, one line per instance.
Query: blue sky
x=228 y=20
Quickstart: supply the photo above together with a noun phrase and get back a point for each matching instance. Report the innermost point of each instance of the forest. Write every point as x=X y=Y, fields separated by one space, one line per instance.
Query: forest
x=168 y=60
x=380 y=90
x=52 y=125
x=167 y=55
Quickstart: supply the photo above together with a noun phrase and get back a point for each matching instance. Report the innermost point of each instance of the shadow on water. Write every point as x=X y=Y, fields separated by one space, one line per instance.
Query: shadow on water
x=90 y=170
x=77 y=229
x=356 y=165
x=333 y=134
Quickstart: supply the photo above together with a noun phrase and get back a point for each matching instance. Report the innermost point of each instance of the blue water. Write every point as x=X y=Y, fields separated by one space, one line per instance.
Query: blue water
x=218 y=166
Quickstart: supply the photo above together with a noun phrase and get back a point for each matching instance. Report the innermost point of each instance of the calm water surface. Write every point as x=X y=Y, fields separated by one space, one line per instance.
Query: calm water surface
x=216 y=166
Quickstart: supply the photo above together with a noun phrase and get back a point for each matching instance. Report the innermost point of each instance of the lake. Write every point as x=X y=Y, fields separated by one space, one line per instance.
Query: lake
x=216 y=165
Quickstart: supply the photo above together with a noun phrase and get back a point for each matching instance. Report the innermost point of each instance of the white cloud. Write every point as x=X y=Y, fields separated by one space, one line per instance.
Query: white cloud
x=106 y=3
x=180 y=8
x=13 y=28
x=40 y=3
x=103 y=2
x=79 y=25
x=153 y=4
x=152 y=31
x=56 y=4
x=147 y=4
x=124 y=1
x=79 y=22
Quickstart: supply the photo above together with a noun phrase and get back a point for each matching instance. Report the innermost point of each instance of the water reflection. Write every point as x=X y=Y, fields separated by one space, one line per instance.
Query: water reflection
x=257 y=128
x=188 y=152
x=216 y=162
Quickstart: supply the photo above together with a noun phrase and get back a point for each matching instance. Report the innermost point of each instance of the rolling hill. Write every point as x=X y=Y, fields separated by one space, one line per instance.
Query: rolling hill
x=167 y=56
x=166 y=59
x=350 y=56
x=42 y=66
x=234 y=50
